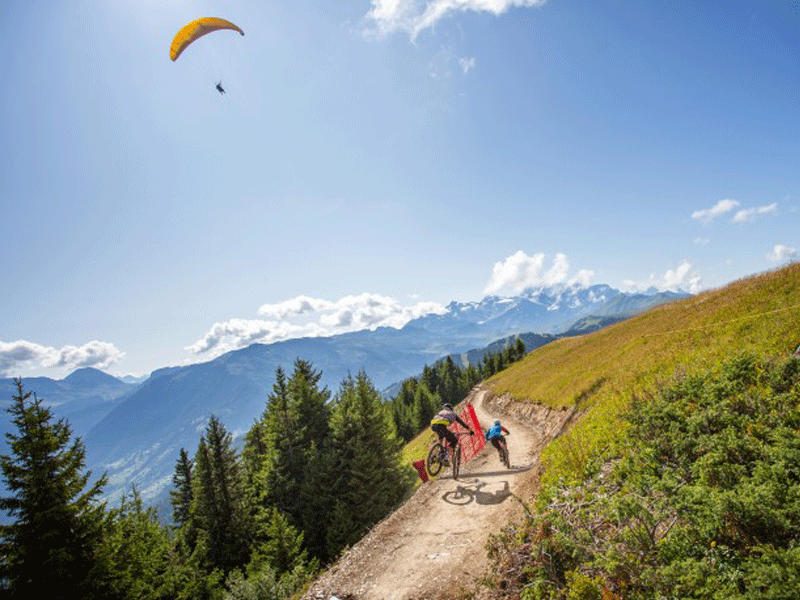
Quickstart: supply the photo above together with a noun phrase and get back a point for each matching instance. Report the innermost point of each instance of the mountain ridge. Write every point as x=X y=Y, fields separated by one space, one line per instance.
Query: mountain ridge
x=138 y=440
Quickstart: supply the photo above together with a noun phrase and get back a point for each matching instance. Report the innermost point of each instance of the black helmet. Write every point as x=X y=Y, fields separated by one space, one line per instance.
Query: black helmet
x=448 y=406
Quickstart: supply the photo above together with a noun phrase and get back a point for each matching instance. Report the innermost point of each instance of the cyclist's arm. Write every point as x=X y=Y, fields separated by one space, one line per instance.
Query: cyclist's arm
x=460 y=422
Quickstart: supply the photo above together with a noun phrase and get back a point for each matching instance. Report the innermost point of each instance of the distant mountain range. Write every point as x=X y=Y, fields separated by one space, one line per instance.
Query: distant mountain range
x=134 y=431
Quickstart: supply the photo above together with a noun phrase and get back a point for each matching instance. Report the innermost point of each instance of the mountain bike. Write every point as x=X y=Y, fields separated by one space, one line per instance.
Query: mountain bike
x=438 y=456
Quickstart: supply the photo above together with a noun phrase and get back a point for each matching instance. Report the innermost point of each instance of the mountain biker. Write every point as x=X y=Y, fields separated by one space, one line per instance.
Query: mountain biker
x=442 y=420
x=495 y=435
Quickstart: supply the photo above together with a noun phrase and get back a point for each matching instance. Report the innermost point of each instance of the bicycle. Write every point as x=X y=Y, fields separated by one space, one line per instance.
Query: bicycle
x=437 y=457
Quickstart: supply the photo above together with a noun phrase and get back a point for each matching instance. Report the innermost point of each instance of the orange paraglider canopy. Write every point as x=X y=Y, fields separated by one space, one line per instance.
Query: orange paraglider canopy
x=197 y=29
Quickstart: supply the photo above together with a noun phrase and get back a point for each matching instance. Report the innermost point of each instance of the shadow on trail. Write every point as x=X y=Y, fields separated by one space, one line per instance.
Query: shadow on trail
x=510 y=471
x=465 y=494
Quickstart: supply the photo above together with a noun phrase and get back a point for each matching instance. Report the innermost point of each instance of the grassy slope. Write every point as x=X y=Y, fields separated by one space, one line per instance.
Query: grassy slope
x=605 y=370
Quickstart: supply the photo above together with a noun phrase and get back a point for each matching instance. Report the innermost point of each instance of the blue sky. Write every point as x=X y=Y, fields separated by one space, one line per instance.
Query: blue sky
x=372 y=161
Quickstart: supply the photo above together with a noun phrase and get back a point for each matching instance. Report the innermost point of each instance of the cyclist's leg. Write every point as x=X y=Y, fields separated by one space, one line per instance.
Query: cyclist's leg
x=496 y=443
x=452 y=438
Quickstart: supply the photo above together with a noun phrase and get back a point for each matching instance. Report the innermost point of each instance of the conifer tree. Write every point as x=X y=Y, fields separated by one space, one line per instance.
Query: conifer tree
x=426 y=403
x=51 y=547
x=520 y=349
x=430 y=377
x=139 y=548
x=220 y=510
x=281 y=469
x=402 y=407
x=310 y=401
x=450 y=379
x=369 y=480
x=181 y=496
x=296 y=419
x=316 y=498
x=282 y=545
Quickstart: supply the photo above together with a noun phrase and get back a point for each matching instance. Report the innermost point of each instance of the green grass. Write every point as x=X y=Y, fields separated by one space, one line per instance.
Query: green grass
x=603 y=371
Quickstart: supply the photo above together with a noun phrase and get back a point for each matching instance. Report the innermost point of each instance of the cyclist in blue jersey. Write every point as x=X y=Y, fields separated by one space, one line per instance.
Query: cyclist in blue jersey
x=495 y=435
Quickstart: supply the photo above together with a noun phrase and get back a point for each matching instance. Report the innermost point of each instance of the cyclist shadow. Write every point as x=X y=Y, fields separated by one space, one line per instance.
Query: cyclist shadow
x=504 y=471
x=466 y=494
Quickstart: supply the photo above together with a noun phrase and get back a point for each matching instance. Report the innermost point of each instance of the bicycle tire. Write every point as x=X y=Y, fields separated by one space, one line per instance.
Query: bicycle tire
x=434 y=461
x=456 y=461
x=506 y=461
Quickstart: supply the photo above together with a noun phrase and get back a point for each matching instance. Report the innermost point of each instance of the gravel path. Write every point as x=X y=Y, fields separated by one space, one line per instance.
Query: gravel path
x=434 y=545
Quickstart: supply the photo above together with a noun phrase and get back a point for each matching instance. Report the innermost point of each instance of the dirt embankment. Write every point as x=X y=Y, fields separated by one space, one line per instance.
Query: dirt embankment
x=433 y=546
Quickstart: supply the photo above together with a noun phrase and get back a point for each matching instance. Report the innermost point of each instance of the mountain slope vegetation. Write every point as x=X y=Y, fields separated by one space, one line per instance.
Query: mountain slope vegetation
x=602 y=372
x=585 y=535
x=681 y=477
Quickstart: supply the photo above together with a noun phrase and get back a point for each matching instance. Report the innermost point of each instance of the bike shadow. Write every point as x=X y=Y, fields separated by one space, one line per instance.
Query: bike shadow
x=466 y=494
x=502 y=472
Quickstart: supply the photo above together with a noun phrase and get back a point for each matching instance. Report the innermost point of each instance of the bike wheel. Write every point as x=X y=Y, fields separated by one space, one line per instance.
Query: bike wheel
x=506 y=461
x=456 y=461
x=434 y=461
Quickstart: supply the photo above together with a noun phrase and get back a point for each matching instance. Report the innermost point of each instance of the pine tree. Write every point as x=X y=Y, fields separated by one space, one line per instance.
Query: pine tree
x=369 y=479
x=426 y=404
x=139 y=548
x=316 y=498
x=402 y=407
x=50 y=550
x=181 y=496
x=220 y=510
x=450 y=381
x=282 y=548
x=311 y=402
x=296 y=419
x=520 y=349
x=281 y=470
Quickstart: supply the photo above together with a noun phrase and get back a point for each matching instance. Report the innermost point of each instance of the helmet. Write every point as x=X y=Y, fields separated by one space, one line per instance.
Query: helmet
x=448 y=406
x=497 y=421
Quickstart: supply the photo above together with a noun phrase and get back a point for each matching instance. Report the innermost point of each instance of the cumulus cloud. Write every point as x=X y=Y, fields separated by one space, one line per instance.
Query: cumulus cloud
x=682 y=278
x=742 y=215
x=414 y=16
x=748 y=214
x=707 y=215
x=467 y=64
x=22 y=354
x=519 y=272
x=304 y=316
x=780 y=253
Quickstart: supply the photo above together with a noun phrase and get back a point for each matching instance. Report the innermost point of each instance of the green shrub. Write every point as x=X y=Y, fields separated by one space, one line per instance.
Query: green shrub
x=703 y=502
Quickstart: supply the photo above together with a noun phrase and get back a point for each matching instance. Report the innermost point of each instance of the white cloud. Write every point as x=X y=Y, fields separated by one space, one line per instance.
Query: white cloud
x=22 y=354
x=701 y=241
x=467 y=64
x=304 y=316
x=780 y=253
x=707 y=215
x=520 y=271
x=748 y=214
x=684 y=278
x=414 y=16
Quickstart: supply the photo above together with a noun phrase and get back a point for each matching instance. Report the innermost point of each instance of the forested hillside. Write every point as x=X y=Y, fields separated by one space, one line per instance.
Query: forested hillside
x=316 y=471
x=673 y=471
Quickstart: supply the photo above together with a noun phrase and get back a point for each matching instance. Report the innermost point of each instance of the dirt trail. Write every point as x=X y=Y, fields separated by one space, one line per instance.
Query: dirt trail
x=434 y=545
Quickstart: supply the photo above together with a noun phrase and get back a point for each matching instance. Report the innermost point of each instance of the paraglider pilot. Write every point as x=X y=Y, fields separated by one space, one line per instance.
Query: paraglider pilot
x=220 y=89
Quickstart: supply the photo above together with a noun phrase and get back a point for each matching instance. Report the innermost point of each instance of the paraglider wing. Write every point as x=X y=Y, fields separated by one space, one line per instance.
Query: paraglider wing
x=197 y=29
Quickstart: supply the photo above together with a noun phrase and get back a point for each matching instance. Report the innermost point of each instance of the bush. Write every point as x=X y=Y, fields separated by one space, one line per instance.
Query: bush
x=704 y=502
